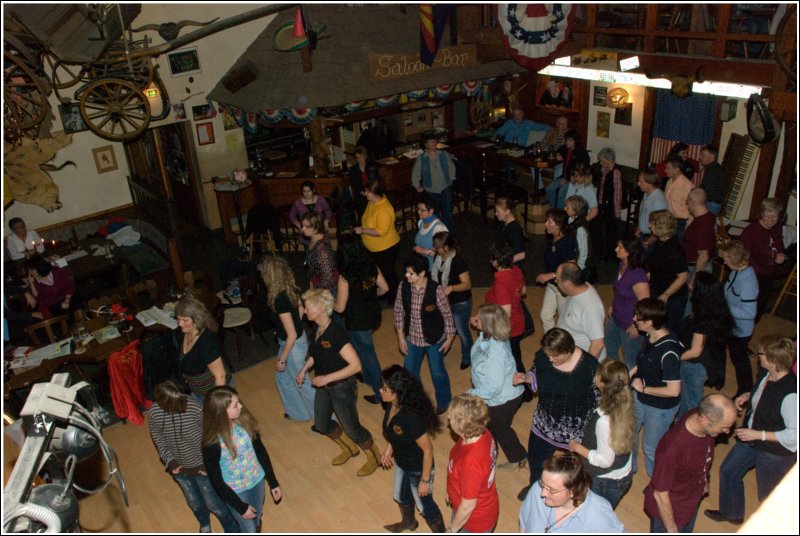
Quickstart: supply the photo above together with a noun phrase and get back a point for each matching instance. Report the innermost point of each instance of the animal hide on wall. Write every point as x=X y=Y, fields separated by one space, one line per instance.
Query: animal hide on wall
x=25 y=170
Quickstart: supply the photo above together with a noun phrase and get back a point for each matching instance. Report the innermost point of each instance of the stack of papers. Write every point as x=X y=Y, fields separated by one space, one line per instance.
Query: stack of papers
x=105 y=334
x=75 y=255
x=154 y=315
x=35 y=358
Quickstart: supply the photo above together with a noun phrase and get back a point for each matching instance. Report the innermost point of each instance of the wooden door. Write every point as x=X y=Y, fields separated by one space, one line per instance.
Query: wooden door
x=179 y=170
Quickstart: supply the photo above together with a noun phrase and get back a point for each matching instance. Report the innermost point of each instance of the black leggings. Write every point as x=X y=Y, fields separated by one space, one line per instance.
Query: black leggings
x=386 y=261
x=737 y=346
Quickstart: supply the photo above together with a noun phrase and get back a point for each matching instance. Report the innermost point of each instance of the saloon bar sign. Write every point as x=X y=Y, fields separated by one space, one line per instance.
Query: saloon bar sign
x=392 y=66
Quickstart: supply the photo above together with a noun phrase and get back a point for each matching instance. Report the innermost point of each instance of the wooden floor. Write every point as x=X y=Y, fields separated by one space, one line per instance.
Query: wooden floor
x=322 y=498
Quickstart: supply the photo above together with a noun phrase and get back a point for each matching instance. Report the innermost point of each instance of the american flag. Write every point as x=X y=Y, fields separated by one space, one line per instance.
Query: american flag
x=689 y=120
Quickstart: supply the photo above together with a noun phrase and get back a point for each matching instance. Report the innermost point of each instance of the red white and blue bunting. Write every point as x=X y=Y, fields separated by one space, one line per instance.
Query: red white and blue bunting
x=442 y=92
x=300 y=116
x=271 y=116
x=472 y=87
x=383 y=102
x=534 y=33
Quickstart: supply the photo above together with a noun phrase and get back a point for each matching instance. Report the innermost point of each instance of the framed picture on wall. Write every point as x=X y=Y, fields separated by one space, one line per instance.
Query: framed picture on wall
x=603 y=124
x=71 y=117
x=183 y=62
x=624 y=115
x=600 y=95
x=205 y=133
x=104 y=159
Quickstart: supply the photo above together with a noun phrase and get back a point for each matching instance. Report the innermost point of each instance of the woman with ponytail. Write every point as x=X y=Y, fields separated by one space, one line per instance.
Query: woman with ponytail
x=608 y=437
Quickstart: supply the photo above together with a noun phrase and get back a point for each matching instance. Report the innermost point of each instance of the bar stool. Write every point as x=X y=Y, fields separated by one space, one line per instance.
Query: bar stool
x=264 y=239
x=789 y=289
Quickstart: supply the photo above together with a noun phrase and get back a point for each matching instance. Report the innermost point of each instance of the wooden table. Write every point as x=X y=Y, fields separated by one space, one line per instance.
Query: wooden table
x=95 y=353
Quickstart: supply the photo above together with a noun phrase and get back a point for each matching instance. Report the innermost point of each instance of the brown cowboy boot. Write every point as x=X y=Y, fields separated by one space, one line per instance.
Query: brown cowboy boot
x=409 y=521
x=373 y=459
x=436 y=525
x=349 y=449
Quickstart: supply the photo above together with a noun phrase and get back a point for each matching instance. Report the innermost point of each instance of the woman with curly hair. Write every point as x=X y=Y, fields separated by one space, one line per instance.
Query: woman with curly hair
x=408 y=426
x=561 y=248
x=201 y=363
x=704 y=334
x=608 y=436
x=283 y=299
x=360 y=284
x=319 y=254
x=235 y=458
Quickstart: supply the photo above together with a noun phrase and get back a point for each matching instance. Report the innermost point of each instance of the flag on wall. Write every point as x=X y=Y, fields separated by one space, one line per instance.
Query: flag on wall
x=689 y=120
x=432 y=20
x=534 y=33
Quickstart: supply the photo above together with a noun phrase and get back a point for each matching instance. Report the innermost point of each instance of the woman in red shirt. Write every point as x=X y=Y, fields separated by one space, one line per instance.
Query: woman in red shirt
x=471 y=487
x=507 y=291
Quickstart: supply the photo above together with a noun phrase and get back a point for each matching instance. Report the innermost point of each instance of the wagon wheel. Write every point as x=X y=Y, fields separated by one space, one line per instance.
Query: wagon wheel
x=64 y=75
x=24 y=95
x=786 y=43
x=115 y=109
x=115 y=65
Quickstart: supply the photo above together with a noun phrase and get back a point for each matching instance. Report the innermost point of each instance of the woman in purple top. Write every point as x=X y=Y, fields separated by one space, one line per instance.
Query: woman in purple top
x=309 y=202
x=630 y=286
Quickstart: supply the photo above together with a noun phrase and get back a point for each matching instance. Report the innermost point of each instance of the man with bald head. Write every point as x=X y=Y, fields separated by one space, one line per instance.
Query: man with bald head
x=583 y=313
x=700 y=236
x=683 y=465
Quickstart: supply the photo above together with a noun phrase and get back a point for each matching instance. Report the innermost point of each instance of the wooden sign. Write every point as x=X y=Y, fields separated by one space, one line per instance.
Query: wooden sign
x=392 y=66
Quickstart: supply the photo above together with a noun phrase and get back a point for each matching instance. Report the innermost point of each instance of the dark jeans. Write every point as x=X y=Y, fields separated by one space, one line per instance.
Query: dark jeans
x=657 y=527
x=516 y=351
x=500 y=418
x=676 y=306
x=680 y=229
x=406 y=492
x=203 y=501
x=610 y=489
x=737 y=346
x=765 y=283
x=341 y=399
x=444 y=207
x=770 y=470
x=538 y=452
x=386 y=261
x=370 y=366
x=607 y=235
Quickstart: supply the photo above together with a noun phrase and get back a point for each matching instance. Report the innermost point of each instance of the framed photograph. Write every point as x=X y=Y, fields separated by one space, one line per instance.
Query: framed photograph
x=104 y=159
x=203 y=111
x=180 y=111
x=205 y=133
x=184 y=62
x=556 y=92
x=71 y=117
x=600 y=95
x=603 y=124
x=624 y=115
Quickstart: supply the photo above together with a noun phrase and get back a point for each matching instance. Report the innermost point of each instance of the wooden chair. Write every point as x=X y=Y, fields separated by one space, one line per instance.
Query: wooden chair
x=263 y=239
x=45 y=327
x=789 y=288
x=289 y=238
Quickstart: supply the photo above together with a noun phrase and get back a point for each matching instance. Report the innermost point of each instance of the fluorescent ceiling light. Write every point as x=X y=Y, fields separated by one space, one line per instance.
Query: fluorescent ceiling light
x=722 y=89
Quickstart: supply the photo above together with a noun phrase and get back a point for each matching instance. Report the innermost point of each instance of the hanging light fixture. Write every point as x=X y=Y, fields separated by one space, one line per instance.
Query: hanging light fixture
x=618 y=97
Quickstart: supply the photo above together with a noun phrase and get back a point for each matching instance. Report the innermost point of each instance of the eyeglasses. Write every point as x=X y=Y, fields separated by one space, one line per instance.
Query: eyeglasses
x=550 y=490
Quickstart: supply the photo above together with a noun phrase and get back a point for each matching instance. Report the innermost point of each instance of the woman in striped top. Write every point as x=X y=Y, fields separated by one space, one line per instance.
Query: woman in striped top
x=201 y=362
x=235 y=458
x=176 y=425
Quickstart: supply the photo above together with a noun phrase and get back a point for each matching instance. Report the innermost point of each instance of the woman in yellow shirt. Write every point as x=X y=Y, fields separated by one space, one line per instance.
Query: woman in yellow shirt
x=379 y=233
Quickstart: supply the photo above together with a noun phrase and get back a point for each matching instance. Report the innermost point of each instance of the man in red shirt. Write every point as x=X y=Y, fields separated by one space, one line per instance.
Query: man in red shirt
x=683 y=463
x=700 y=237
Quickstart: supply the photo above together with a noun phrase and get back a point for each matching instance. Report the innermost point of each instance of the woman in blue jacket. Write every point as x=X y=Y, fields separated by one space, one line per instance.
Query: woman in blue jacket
x=741 y=294
x=493 y=368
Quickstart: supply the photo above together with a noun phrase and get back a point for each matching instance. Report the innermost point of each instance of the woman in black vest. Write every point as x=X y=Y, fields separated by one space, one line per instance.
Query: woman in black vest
x=360 y=284
x=336 y=364
x=609 y=201
x=424 y=325
x=608 y=436
x=768 y=436
x=450 y=271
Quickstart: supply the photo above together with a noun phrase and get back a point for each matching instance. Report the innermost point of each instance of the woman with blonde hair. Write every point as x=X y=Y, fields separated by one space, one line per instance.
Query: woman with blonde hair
x=201 y=363
x=336 y=364
x=492 y=369
x=667 y=268
x=235 y=458
x=471 y=483
x=608 y=436
x=283 y=299
x=581 y=184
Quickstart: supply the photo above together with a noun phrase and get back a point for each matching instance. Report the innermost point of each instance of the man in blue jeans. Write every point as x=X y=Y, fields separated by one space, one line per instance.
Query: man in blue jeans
x=434 y=172
x=683 y=464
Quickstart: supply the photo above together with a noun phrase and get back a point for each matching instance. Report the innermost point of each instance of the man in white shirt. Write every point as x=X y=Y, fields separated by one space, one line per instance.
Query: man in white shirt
x=22 y=244
x=583 y=315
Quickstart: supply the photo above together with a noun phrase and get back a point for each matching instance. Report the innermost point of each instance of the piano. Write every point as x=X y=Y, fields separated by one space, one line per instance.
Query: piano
x=741 y=156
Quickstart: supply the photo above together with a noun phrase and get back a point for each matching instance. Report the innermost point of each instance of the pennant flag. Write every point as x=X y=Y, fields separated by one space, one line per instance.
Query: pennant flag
x=534 y=33
x=432 y=20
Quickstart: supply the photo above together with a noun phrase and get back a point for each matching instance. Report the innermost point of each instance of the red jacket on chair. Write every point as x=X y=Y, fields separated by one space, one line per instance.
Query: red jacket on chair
x=126 y=379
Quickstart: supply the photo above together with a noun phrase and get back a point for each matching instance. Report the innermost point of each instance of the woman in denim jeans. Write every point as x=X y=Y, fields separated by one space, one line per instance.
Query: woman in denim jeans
x=656 y=378
x=408 y=425
x=236 y=460
x=630 y=286
x=360 y=284
x=283 y=298
x=608 y=436
x=176 y=426
x=451 y=272
x=336 y=364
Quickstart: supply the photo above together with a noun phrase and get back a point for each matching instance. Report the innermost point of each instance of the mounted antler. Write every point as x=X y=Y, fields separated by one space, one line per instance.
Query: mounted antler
x=170 y=30
x=681 y=83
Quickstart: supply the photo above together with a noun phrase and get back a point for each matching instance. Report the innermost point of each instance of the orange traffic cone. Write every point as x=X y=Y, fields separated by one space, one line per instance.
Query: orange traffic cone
x=299 y=28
